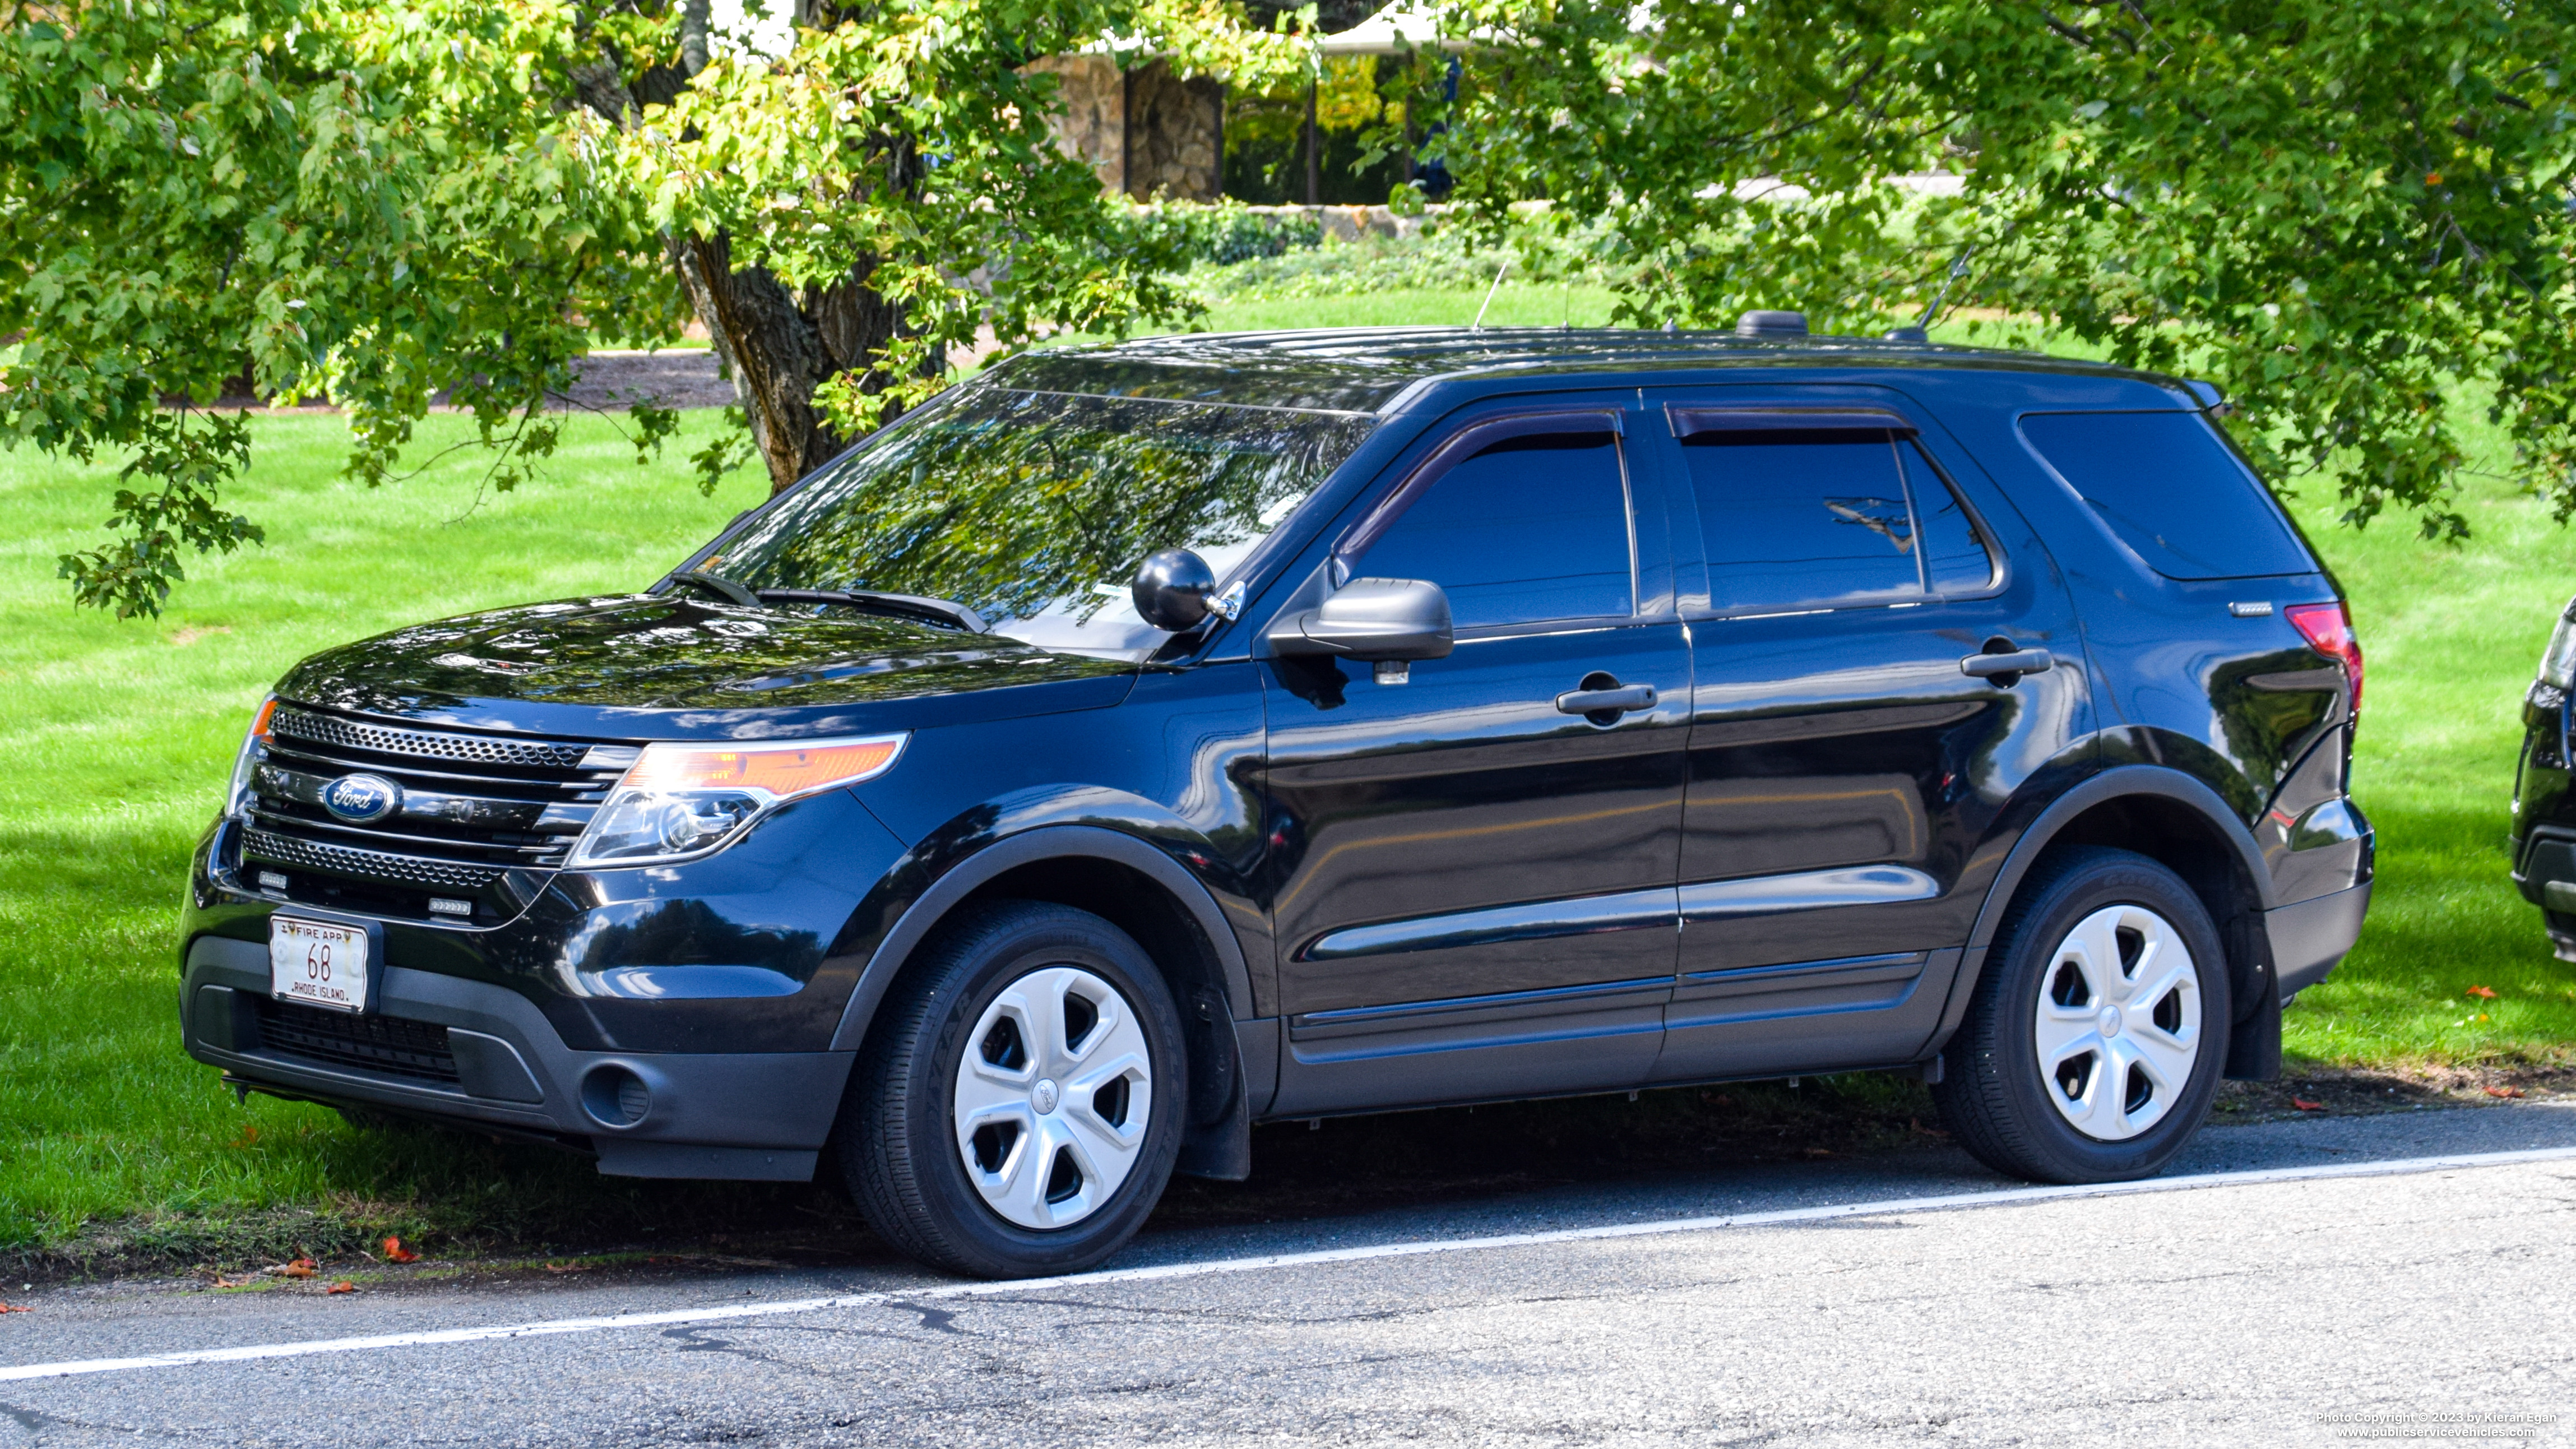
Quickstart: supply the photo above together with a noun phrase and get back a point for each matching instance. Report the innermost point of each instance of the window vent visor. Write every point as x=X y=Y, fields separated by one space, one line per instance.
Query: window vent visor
x=1706 y=425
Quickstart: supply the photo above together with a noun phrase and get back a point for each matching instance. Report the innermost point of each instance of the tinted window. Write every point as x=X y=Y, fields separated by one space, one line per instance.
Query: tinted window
x=1798 y=521
x=1528 y=529
x=2171 y=490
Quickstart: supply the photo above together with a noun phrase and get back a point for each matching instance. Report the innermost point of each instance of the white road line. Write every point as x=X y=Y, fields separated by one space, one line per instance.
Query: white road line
x=732 y=1312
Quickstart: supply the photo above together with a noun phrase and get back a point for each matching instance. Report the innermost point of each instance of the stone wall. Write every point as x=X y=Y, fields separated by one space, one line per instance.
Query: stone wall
x=1175 y=140
x=1092 y=123
x=1145 y=131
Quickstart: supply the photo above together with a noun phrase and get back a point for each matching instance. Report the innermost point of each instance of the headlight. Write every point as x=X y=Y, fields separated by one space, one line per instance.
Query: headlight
x=679 y=801
x=254 y=748
x=2558 y=661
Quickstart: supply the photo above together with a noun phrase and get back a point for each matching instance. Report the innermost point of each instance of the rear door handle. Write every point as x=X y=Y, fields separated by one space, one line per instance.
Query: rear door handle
x=2020 y=661
x=1626 y=699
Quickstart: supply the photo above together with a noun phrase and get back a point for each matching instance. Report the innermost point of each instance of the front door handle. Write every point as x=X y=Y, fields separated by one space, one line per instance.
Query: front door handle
x=1614 y=702
x=2017 y=663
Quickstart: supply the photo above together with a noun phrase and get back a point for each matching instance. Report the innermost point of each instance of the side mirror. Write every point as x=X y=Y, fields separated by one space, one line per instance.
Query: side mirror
x=1172 y=590
x=1371 y=619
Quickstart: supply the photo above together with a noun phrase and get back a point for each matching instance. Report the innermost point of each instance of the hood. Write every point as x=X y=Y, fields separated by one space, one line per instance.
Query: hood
x=642 y=666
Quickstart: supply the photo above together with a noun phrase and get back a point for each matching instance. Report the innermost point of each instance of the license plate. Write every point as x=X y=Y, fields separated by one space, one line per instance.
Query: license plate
x=317 y=963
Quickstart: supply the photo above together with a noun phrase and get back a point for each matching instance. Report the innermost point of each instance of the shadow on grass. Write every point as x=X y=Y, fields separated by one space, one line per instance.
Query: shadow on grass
x=70 y=875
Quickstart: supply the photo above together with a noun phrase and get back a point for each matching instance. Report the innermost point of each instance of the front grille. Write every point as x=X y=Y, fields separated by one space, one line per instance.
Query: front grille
x=369 y=864
x=473 y=807
x=349 y=734
x=384 y=1044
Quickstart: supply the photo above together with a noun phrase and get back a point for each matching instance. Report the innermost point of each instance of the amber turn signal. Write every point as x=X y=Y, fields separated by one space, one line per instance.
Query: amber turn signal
x=781 y=771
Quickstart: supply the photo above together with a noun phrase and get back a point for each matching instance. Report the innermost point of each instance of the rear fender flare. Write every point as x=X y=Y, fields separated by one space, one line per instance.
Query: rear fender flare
x=2124 y=781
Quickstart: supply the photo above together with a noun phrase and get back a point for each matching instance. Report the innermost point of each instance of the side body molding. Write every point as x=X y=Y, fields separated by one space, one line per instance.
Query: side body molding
x=1051 y=842
x=2112 y=784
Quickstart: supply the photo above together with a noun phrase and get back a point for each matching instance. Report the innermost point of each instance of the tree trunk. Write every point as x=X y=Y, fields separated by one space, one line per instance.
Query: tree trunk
x=777 y=345
x=781 y=345
x=1314 y=145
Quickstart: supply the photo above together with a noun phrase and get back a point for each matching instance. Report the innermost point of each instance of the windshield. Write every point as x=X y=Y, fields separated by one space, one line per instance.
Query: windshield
x=1034 y=508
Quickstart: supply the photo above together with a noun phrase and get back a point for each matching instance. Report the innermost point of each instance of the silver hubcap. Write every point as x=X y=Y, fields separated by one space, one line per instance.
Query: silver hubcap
x=1052 y=1097
x=2118 y=1022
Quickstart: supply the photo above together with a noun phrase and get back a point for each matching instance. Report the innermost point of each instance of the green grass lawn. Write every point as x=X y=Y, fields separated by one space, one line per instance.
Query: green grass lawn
x=117 y=750
x=121 y=735
x=2451 y=636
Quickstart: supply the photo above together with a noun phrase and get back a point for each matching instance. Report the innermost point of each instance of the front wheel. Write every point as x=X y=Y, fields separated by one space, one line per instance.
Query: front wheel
x=2098 y=1031
x=1018 y=1106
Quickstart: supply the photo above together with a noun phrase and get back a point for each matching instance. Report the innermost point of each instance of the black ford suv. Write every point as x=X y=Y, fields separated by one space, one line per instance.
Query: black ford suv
x=1142 y=742
x=2544 y=809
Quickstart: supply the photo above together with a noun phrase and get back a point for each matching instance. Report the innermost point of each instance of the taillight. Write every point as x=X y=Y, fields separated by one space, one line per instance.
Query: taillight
x=2328 y=630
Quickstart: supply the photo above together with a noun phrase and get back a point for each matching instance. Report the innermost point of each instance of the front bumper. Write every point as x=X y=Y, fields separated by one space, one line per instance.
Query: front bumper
x=744 y=1115
x=2546 y=874
x=675 y=1021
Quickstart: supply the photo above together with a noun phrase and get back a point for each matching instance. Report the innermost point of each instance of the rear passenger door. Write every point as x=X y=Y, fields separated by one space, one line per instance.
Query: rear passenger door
x=1473 y=894
x=1845 y=761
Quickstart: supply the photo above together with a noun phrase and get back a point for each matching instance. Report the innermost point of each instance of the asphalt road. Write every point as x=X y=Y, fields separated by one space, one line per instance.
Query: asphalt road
x=2263 y=1311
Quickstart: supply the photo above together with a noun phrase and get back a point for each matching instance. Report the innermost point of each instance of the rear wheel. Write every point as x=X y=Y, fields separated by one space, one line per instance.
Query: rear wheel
x=2098 y=1031
x=1018 y=1105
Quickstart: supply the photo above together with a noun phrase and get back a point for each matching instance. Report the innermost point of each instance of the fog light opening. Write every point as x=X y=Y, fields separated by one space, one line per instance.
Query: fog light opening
x=615 y=1096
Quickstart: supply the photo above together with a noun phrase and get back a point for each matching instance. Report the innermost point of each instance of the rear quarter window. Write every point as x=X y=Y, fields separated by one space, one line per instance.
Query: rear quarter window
x=2172 y=490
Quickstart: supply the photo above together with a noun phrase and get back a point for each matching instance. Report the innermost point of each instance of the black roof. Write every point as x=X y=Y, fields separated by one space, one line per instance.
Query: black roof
x=1363 y=369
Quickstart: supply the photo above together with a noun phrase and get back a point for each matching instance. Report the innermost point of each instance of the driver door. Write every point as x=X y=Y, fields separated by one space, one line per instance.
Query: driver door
x=1473 y=879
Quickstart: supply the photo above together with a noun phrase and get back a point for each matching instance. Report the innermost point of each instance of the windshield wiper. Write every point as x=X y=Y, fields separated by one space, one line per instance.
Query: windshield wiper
x=732 y=592
x=910 y=606
x=914 y=606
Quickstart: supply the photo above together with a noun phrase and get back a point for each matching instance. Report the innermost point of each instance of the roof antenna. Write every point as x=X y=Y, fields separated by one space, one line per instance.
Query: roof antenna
x=1479 y=324
x=1921 y=331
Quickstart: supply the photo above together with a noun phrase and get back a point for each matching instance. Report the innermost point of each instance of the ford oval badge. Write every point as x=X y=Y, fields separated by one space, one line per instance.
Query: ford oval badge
x=360 y=799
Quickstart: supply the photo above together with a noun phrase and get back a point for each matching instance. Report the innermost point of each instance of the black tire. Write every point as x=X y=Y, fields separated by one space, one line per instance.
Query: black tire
x=897 y=1141
x=1997 y=1097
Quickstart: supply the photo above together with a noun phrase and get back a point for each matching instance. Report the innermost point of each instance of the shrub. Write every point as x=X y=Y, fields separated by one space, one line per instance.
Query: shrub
x=1223 y=233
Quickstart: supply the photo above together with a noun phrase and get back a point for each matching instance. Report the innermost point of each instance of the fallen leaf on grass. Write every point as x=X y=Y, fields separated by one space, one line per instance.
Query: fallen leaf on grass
x=221 y=1282
x=2482 y=993
x=2304 y=1105
x=2504 y=1091
x=249 y=1137
x=300 y=1268
x=395 y=1252
x=343 y=1286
